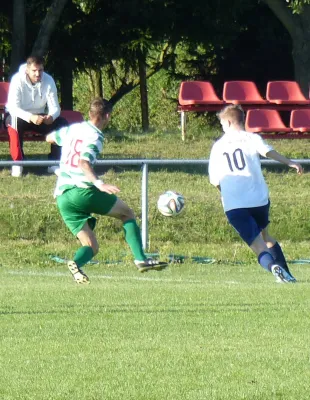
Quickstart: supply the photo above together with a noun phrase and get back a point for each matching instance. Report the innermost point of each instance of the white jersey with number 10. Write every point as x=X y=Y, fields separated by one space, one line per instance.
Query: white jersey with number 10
x=235 y=166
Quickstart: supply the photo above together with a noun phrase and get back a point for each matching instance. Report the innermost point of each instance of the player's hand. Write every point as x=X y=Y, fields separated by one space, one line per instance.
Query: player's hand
x=36 y=119
x=105 y=187
x=298 y=168
x=48 y=119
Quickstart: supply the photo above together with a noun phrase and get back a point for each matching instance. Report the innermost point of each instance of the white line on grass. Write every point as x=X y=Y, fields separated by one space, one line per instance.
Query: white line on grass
x=137 y=278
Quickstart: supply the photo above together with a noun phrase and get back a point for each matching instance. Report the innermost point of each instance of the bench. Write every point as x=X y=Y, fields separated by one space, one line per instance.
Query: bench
x=70 y=115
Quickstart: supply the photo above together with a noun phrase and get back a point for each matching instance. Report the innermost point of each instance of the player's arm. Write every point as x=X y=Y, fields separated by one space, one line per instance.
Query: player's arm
x=50 y=138
x=90 y=174
x=213 y=169
x=274 y=155
x=57 y=137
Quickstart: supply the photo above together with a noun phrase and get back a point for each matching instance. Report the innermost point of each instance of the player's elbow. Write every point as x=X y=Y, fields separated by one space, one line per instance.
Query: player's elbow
x=49 y=139
x=83 y=164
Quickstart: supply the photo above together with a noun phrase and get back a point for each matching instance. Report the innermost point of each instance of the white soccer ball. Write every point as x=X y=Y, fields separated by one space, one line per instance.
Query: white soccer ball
x=170 y=203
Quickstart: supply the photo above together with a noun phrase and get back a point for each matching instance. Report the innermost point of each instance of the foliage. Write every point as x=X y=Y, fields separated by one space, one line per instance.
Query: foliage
x=203 y=43
x=5 y=35
x=297 y=6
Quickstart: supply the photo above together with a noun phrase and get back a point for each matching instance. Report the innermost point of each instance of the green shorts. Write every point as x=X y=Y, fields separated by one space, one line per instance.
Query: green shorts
x=76 y=206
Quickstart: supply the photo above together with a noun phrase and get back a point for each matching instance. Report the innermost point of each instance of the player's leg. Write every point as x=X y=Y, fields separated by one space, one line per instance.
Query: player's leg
x=244 y=222
x=267 y=261
x=264 y=256
x=261 y=216
x=120 y=210
x=71 y=205
x=275 y=249
x=84 y=254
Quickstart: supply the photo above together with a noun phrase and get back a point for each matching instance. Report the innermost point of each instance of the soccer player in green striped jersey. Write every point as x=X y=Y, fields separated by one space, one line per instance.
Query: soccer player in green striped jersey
x=79 y=192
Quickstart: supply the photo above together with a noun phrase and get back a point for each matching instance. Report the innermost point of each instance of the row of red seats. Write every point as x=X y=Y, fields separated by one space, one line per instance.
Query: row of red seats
x=262 y=114
x=241 y=92
x=264 y=120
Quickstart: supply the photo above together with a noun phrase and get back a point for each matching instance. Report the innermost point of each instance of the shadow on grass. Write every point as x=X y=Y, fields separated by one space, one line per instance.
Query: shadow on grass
x=147 y=309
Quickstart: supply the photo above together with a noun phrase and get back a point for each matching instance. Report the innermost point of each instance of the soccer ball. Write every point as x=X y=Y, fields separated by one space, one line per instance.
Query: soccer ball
x=170 y=203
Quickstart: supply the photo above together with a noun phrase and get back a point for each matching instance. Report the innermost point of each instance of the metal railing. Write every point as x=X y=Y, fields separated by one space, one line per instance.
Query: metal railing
x=144 y=185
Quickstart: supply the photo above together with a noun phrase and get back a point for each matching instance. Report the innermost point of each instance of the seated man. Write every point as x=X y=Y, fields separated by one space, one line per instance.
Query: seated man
x=33 y=106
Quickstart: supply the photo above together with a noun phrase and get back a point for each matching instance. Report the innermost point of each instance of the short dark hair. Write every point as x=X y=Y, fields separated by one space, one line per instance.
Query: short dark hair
x=34 y=59
x=100 y=107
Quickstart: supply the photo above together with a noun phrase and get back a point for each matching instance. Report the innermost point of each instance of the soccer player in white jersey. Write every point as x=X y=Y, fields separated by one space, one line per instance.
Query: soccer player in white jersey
x=79 y=192
x=235 y=169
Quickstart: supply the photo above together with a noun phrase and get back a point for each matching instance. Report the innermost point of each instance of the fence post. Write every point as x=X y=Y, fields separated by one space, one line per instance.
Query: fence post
x=144 y=205
x=183 y=124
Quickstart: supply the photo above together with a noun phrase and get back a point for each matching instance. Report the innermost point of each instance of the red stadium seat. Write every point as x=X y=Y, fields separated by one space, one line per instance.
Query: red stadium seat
x=72 y=116
x=263 y=120
x=285 y=92
x=242 y=92
x=4 y=90
x=198 y=92
x=300 y=120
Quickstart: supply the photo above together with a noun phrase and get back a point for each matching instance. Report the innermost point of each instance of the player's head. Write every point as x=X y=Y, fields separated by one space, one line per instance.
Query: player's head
x=35 y=68
x=231 y=117
x=100 y=112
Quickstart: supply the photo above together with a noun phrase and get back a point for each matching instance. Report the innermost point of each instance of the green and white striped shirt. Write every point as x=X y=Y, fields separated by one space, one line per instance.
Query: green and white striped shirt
x=81 y=141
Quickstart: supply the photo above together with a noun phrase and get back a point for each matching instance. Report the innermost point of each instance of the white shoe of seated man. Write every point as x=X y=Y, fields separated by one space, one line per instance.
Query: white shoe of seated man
x=17 y=171
x=54 y=169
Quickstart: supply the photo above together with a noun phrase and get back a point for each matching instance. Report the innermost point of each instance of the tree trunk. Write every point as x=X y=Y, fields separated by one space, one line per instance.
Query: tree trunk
x=96 y=86
x=40 y=46
x=18 y=35
x=143 y=92
x=66 y=86
x=298 y=27
x=301 y=57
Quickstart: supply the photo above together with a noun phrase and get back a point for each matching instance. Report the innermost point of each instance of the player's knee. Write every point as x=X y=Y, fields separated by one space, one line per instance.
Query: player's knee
x=269 y=240
x=128 y=214
x=95 y=248
x=90 y=242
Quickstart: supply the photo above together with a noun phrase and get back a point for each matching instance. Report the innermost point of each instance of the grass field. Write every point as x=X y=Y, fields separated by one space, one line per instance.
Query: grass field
x=223 y=330
x=190 y=332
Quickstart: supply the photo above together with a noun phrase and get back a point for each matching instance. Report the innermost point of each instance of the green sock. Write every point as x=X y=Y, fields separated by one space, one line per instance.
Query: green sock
x=133 y=238
x=83 y=255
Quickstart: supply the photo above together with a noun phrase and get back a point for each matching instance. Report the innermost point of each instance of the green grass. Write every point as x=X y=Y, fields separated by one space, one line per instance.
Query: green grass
x=161 y=145
x=194 y=331
x=190 y=332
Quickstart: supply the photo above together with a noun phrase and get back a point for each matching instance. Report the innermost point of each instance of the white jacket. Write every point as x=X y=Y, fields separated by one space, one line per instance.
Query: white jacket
x=25 y=99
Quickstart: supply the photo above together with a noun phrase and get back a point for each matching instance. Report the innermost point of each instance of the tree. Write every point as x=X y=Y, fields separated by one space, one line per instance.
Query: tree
x=295 y=18
x=18 y=35
x=49 y=23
